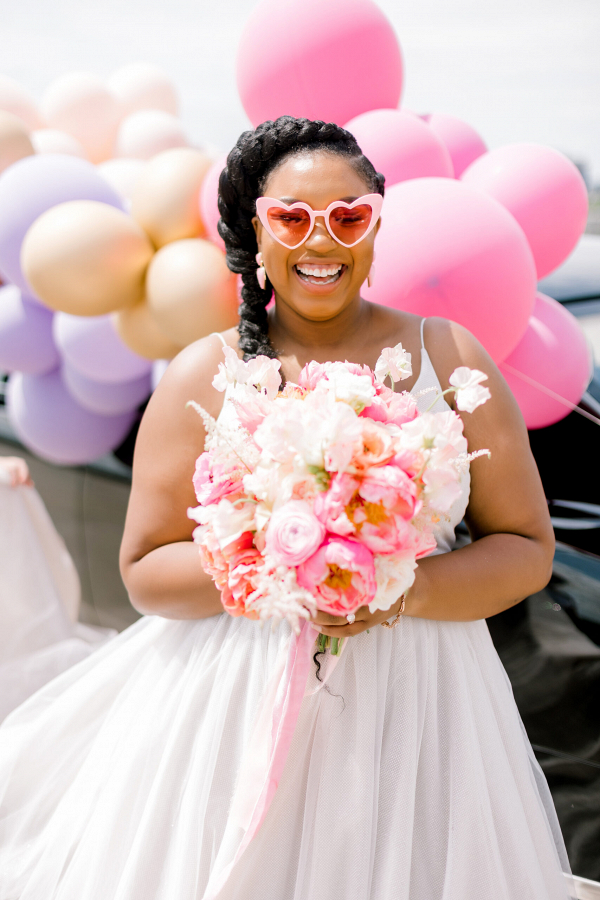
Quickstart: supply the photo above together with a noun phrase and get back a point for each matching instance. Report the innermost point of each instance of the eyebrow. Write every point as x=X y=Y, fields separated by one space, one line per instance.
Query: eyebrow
x=289 y=200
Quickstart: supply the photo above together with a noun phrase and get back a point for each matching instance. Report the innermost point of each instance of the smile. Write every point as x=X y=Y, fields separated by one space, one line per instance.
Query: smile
x=312 y=274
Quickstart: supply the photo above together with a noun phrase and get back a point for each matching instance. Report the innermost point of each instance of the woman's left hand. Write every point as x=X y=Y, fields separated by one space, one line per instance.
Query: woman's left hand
x=339 y=627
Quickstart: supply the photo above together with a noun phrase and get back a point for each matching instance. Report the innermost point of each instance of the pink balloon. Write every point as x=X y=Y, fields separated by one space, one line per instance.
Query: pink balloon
x=26 y=342
x=400 y=145
x=554 y=362
x=50 y=423
x=543 y=190
x=463 y=143
x=106 y=399
x=323 y=60
x=91 y=345
x=444 y=249
x=209 y=194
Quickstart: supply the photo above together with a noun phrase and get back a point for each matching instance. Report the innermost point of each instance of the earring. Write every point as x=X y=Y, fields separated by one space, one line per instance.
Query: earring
x=261 y=275
x=371 y=276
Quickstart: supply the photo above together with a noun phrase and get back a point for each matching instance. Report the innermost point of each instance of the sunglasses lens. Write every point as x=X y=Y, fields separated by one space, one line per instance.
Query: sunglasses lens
x=290 y=226
x=350 y=225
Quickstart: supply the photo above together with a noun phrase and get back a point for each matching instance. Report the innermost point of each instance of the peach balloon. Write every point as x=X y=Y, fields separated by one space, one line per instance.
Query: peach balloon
x=165 y=201
x=461 y=140
x=15 y=142
x=86 y=258
x=191 y=291
x=51 y=140
x=138 y=329
x=122 y=175
x=18 y=101
x=144 y=86
x=209 y=197
x=81 y=105
x=145 y=133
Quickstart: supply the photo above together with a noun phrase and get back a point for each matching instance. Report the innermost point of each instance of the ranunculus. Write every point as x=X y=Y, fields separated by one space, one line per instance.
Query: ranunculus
x=293 y=533
x=341 y=574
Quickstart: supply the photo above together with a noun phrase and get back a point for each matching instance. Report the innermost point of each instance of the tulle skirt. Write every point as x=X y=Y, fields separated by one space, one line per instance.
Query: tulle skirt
x=409 y=776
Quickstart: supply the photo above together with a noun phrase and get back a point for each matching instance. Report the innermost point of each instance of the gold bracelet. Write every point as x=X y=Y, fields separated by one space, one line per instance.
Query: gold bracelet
x=396 y=619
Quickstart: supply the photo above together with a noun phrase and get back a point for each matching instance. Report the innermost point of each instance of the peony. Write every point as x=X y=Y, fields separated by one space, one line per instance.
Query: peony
x=311 y=374
x=331 y=505
x=244 y=570
x=230 y=522
x=213 y=481
x=392 y=488
x=395 y=574
x=469 y=393
x=391 y=407
x=341 y=574
x=347 y=384
x=375 y=447
x=395 y=362
x=294 y=533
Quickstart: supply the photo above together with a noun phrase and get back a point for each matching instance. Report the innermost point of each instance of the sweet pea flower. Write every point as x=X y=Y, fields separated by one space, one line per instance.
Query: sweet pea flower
x=341 y=574
x=442 y=487
x=294 y=533
x=262 y=372
x=469 y=393
x=395 y=362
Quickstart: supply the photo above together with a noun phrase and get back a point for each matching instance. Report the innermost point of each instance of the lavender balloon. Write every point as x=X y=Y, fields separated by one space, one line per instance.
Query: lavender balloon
x=50 y=423
x=26 y=342
x=106 y=399
x=35 y=184
x=91 y=345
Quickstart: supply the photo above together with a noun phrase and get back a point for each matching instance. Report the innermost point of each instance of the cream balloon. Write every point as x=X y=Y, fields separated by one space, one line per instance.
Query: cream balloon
x=165 y=201
x=15 y=142
x=86 y=258
x=81 y=105
x=138 y=329
x=122 y=175
x=143 y=86
x=51 y=140
x=145 y=133
x=191 y=291
x=18 y=101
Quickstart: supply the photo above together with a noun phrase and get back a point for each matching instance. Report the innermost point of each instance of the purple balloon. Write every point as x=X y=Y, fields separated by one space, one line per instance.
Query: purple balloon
x=91 y=345
x=50 y=423
x=31 y=186
x=106 y=399
x=26 y=342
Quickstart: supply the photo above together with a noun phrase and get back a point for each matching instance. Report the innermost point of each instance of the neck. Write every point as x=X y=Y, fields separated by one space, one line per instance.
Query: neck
x=291 y=334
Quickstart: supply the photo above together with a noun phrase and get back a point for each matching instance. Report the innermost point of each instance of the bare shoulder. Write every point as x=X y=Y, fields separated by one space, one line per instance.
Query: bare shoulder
x=450 y=345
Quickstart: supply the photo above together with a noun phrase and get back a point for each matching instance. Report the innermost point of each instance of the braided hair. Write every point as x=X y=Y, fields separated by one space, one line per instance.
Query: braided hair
x=256 y=154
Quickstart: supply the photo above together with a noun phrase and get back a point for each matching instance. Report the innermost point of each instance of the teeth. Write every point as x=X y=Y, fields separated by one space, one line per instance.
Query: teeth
x=318 y=272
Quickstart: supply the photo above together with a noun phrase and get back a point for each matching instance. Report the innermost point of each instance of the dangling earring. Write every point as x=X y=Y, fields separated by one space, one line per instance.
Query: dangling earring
x=371 y=275
x=261 y=275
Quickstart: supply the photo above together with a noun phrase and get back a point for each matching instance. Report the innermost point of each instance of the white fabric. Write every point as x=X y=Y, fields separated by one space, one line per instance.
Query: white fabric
x=409 y=776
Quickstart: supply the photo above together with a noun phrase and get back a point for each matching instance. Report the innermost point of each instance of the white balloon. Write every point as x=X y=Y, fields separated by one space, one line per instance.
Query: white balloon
x=18 y=101
x=122 y=175
x=81 y=105
x=51 y=140
x=145 y=133
x=143 y=86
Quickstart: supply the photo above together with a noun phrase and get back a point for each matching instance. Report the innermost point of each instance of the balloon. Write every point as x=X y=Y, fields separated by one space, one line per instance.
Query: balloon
x=209 y=195
x=51 y=140
x=165 y=201
x=95 y=350
x=15 y=99
x=143 y=86
x=145 y=133
x=26 y=342
x=138 y=329
x=106 y=399
x=400 y=145
x=158 y=370
x=81 y=105
x=444 y=249
x=53 y=425
x=122 y=175
x=33 y=185
x=329 y=61
x=86 y=258
x=191 y=292
x=544 y=192
x=462 y=142
x=15 y=142
x=554 y=353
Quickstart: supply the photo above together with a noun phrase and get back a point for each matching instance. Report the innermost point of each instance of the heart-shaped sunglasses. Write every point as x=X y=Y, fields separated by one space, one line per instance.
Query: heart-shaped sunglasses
x=347 y=223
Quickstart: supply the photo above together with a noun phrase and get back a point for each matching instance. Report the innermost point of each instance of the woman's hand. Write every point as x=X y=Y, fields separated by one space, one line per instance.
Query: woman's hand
x=15 y=470
x=338 y=626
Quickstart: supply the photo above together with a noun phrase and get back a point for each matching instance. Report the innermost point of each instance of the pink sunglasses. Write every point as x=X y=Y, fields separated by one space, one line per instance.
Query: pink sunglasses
x=347 y=223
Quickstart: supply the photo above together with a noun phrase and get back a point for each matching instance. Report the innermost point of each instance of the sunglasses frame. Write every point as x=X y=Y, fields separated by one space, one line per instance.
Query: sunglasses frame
x=264 y=204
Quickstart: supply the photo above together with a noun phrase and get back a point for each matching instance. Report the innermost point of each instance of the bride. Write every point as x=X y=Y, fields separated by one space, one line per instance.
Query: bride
x=409 y=775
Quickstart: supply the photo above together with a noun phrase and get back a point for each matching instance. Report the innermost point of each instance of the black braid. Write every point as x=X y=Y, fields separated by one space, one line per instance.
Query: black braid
x=256 y=154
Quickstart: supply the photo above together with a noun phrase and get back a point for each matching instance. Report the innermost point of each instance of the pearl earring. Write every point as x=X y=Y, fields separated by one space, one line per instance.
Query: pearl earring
x=261 y=275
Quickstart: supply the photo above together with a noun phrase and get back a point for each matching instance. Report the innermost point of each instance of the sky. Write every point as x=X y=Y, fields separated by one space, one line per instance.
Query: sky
x=516 y=70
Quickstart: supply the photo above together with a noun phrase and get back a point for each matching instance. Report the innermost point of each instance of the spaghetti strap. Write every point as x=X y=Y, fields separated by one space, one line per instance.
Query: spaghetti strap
x=423 y=320
x=220 y=336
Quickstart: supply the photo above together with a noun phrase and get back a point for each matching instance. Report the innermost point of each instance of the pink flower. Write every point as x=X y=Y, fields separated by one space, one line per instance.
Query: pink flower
x=341 y=575
x=331 y=505
x=293 y=533
x=212 y=481
x=375 y=447
x=311 y=374
x=390 y=487
x=212 y=560
x=391 y=406
x=252 y=410
x=244 y=569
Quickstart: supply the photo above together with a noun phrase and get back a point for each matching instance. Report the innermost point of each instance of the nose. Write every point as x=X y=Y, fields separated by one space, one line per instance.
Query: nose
x=319 y=239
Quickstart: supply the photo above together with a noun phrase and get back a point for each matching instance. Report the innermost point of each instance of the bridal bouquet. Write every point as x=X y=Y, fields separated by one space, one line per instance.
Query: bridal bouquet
x=325 y=494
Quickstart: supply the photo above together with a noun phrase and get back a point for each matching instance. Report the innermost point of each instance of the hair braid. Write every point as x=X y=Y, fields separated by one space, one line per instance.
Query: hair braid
x=256 y=154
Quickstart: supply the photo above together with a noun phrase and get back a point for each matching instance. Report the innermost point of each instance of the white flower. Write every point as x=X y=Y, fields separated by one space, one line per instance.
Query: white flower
x=232 y=371
x=469 y=393
x=262 y=372
x=279 y=596
x=436 y=432
x=395 y=362
x=229 y=522
x=346 y=386
x=442 y=487
x=394 y=574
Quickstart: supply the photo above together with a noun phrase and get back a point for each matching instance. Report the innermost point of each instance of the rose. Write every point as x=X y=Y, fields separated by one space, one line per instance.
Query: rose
x=340 y=575
x=293 y=533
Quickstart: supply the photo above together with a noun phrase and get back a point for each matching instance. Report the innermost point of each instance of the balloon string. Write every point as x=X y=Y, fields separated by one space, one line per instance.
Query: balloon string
x=550 y=393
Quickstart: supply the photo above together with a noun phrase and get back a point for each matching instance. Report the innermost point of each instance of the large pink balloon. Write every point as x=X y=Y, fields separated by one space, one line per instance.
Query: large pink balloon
x=551 y=361
x=400 y=145
x=543 y=190
x=322 y=59
x=462 y=141
x=91 y=345
x=444 y=249
x=50 y=423
x=209 y=195
x=26 y=342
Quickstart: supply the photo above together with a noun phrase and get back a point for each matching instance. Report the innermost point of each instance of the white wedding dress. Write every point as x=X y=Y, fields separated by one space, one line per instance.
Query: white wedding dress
x=409 y=776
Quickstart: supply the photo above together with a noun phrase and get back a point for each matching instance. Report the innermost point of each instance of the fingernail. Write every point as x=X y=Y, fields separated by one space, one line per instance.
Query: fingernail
x=316 y=627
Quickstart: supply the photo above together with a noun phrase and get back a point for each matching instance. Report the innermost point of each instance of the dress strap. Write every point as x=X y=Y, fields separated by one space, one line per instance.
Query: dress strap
x=220 y=336
x=422 y=339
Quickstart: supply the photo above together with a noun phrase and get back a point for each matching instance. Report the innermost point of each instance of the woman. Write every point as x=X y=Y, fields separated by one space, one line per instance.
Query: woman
x=409 y=776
